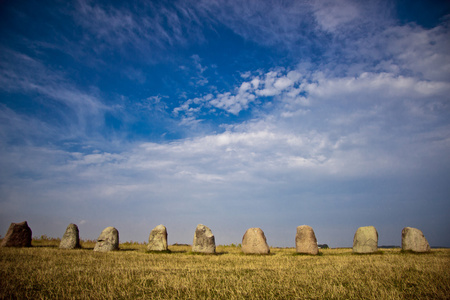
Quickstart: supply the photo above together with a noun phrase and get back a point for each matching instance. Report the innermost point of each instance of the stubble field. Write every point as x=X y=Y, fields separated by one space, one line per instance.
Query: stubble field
x=44 y=272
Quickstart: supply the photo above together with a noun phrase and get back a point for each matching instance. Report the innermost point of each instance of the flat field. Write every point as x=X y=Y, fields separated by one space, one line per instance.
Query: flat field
x=44 y=271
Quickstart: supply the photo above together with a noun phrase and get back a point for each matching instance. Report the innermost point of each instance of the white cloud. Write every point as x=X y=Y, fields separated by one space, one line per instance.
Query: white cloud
x=255 y=83
x=423 y=51
x=308 y=141
x=246 y=75
x=233 y=103
x=371 y=84
x=332 y=14
x=407 y=50
x=263 y=156
x=283 y=83
x=295 y=91
x=273 y=83
x=98 y=159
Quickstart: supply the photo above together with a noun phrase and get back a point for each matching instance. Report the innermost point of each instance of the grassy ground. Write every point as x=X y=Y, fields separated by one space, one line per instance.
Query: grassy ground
x=44 y=271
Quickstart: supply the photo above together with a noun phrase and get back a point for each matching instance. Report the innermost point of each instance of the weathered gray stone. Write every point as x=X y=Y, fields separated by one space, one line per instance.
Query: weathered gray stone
x=157 y=241
x=365 y=240
x=203 y=240
x=305 y=240
x=108 y=240
x=18 y=235
x=414 y=240
x=254 y=242
x=71 y=238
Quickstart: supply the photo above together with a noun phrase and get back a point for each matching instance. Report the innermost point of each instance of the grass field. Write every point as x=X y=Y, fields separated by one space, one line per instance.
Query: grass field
x=44 y=272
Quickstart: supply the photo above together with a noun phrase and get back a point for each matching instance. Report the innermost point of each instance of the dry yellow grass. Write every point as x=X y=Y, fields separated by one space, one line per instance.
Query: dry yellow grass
x=48 y=272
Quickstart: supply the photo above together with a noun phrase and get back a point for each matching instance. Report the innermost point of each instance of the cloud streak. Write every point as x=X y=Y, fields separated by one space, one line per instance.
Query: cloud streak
x=77 y=109
x=143 y=28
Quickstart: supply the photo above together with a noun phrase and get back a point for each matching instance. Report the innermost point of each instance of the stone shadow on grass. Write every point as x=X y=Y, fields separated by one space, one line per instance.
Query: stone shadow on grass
x=307 y=254
x=379 y=252
x=41 y=246
x=406 y=252
x=206 y=254
x=160 y=252
x=257 y=254
x=87 y=248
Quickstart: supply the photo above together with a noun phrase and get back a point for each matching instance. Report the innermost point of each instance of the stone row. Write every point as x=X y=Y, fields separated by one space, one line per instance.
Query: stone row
x=253 y=242
x=366 y=240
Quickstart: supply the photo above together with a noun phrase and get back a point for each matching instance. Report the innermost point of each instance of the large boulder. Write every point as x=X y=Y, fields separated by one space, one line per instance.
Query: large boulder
x=71 y=238
x=414 y=240
x=108 y=240
x=203 y=240
x=254 y=242
x=157 y=241
x=365 y=240
x=305 y=240
x=18 y=235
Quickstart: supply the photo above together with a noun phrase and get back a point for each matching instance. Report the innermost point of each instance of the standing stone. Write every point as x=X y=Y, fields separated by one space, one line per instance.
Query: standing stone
x=254 y=242
x=365 y=240
x=203 y=240
x=305 y=240
x=157 y=241
x=108 y=240
x=18 y=235
x=414 y=240
x=71 y=238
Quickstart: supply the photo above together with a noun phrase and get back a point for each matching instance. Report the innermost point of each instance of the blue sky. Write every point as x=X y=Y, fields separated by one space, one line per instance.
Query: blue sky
x=233 y=114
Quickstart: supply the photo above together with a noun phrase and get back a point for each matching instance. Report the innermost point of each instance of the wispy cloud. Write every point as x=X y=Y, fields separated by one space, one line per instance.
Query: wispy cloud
x=199 y=79
x=298 y=26
x=144 y=28
x=352 y=17
x=25 y=75
x=418 y=50
x=331 y=14
x=266 y=22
